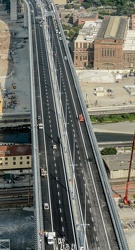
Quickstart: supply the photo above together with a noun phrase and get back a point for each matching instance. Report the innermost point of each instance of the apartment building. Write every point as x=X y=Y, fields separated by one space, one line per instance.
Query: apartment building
x=84 y=44
x=15 y=157
x=114 y=45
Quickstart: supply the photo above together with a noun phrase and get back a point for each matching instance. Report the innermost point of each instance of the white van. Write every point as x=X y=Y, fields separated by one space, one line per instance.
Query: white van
x=40 y=125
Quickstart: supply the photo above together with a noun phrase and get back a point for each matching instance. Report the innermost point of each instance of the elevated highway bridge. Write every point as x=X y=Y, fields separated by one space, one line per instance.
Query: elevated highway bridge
x=80 y=208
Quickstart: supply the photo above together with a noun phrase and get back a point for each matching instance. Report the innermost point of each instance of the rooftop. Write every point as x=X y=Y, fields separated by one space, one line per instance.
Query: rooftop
x=118 y=162
x=112 y=27
x=129 y=43
x=89 y=30
x=15 y=150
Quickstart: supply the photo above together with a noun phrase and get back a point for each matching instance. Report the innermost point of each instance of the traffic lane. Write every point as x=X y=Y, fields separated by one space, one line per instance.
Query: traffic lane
x=44 y=183
x=87 y=137
x=69 y=128
x=62 y=219
x=101 y=197
x=48 y=144
x=52 y=174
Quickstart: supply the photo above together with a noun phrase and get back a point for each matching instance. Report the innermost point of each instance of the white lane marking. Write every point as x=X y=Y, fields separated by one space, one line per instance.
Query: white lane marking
x=92 y=219
x=60 y=210
x=62 y=229
x=61 y=219
x=94 y=229
x=55 y=171
x=57 y=185
x=55 y=164
x=58 y=193
x=96 y=238
x=54 y=158
x=59 y=201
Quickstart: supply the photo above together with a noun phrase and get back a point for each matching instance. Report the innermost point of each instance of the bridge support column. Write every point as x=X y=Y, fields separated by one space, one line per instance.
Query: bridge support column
x=13 y=10
x=25 y=16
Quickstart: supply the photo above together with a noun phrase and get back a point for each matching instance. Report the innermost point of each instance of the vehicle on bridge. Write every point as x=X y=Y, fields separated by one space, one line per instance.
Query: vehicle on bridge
x=81 y=118
x=50 y=237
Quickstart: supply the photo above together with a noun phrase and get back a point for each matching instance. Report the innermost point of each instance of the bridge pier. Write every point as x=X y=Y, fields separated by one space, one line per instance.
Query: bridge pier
x=25 y=16
x=13 y=10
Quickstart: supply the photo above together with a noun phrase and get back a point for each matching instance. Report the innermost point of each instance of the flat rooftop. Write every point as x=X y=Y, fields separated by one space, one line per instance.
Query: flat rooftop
x=129 y=42
x=118 y=162
x=89 y=31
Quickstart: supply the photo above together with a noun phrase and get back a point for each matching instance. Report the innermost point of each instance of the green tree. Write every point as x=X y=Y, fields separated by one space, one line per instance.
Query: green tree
x=109 y=151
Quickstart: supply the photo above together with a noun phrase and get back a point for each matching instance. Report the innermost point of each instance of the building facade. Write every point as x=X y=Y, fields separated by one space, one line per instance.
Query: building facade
x=15 y=157
x=84 y=44
x=113 y=45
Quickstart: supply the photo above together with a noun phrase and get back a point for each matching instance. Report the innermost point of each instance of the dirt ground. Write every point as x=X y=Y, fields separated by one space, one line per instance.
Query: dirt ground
x=14 y=64
x=116 y=95
x=127 y=217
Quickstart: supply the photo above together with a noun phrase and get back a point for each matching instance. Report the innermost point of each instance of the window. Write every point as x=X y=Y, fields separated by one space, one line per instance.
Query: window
x=76 y=57
x=6 y=163
x=1 y=164
x=20 y=157
x=84 y=57
x=28 y=162
x=1 y=152
x=110 y=52
x=6 y=159
x=28 y=157
x=14 y=158
x=80 y=45
x=102 y=52
x=14 y=163
x=0 y=159
x=76 y=45
x=8 y=152
x=84 y=45
x=80 y=58
x=21 y=163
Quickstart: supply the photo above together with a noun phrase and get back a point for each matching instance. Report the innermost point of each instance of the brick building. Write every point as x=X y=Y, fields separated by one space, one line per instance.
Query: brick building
x=15 y=157
x=81 y=16
x=84 y=44
x=114 y=46
x=110 y=45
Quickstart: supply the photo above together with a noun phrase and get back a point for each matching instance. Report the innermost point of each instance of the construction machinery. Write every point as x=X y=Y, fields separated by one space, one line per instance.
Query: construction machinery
x=126 y=200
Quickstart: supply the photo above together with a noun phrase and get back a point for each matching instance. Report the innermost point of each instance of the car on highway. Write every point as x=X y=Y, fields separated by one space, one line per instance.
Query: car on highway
x=40 y=125
x=54 y=146
x=46 y=206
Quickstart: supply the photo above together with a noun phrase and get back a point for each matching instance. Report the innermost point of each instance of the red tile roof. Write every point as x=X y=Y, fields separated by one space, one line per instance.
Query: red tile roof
x=15 y=150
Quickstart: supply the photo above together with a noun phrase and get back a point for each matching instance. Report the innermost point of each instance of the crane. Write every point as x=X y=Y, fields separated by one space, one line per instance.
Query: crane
x=125 y=199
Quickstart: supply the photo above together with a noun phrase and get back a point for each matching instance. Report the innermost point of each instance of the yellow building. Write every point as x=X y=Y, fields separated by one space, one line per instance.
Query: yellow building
x=15 y=157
